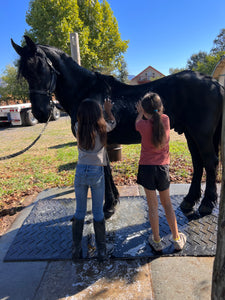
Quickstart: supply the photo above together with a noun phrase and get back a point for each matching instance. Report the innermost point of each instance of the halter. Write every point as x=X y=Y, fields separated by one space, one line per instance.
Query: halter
x=52 y=86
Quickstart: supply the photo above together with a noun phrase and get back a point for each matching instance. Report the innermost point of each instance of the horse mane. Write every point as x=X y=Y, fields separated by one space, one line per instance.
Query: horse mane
x=51 y=52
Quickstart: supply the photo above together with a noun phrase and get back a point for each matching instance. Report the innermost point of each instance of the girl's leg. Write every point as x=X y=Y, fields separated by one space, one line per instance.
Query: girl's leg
x=81 y=190
x=153 y=213
x=81 y=206
x=169 y=211
x=98 y=192
x=81 y=201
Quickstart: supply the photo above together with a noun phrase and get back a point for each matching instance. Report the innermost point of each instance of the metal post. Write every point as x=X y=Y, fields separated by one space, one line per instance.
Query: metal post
x=74 y=45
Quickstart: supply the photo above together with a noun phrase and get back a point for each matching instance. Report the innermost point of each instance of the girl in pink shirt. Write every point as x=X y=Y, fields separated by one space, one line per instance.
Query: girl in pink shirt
x=153 y=171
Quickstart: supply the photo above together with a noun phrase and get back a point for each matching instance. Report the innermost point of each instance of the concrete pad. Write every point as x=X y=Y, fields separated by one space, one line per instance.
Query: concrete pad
x=128 y=190
x=18 y=281
x=180 y=189
x=91 y=280
x=186 y=278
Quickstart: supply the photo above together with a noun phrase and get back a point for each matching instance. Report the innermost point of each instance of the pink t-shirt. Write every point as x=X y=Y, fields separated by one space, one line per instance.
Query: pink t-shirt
x=150 y=155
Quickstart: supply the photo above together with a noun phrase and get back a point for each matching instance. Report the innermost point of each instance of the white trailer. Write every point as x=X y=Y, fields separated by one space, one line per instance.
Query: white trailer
x=21 y=114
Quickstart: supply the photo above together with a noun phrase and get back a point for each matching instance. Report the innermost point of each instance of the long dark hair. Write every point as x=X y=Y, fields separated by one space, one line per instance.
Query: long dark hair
x=90 y=122
x=152 y=105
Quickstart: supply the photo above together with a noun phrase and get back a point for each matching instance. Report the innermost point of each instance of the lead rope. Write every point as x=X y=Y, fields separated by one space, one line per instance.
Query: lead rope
x=28 y=147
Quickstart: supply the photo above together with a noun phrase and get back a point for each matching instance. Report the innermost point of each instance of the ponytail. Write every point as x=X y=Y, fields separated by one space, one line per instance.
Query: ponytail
x=152 y=105
x=158 y=131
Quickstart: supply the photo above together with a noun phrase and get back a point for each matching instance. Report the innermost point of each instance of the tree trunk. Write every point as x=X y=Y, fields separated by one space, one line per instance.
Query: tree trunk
x=218 y=280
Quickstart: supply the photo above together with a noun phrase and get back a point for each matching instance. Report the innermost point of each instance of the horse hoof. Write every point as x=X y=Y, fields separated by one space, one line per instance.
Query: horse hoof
x=187 y=207
x=109 y=213
x=205 y=210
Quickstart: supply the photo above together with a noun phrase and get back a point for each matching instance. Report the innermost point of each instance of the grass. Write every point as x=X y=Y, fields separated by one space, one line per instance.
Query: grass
x=52 y=160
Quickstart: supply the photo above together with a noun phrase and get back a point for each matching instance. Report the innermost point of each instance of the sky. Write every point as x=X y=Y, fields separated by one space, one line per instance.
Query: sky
x=161 y=33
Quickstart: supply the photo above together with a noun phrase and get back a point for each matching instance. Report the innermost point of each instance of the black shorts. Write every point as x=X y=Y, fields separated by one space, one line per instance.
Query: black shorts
x=154 y=177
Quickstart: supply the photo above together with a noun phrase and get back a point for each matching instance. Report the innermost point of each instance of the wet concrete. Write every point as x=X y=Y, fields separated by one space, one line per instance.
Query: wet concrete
x=91 y=280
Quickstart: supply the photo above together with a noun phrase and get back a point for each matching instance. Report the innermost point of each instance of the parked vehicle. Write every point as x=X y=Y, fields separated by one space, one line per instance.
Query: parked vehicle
x=21 y=114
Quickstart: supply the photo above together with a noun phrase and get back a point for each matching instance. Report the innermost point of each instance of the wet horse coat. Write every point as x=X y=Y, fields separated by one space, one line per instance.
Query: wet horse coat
x=192 y=101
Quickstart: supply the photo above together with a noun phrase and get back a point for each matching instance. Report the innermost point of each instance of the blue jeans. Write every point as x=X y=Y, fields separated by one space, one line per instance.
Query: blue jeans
x=93 y=177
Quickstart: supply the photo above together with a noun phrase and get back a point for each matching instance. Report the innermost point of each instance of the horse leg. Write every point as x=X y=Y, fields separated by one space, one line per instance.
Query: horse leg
x=194 y=193
x=209 y=200
x=111 y=193
x=211 y=159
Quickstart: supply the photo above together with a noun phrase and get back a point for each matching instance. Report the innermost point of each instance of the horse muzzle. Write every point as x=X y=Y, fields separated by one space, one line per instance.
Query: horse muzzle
x=41 y=115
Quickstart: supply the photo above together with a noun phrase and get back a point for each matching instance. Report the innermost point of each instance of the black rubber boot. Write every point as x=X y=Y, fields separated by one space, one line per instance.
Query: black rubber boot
x=99 y=228
x=77 y=232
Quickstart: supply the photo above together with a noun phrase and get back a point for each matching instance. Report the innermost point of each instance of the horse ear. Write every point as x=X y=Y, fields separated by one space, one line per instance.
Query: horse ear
x=18 y=49
x=30 y=44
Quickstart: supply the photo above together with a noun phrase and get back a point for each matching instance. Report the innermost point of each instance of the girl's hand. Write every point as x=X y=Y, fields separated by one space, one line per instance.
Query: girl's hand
x=108 y=104
x=140 y=111
x=139 y=107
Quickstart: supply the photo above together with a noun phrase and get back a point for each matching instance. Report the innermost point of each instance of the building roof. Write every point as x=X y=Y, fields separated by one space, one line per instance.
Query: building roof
x=149 y=67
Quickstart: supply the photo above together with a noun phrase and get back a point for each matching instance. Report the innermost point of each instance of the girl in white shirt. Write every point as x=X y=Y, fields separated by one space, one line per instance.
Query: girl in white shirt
x=91 y=131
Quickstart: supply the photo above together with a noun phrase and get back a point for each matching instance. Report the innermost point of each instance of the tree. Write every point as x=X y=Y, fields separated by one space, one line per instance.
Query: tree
x=192 y=63
x=219 y=43
x=123 y=73
x=176 y=70
x=205 y=63
x=13 y=89
x=209 y=64
x=52 y=22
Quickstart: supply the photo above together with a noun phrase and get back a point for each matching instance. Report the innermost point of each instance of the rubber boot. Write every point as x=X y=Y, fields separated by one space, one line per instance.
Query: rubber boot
x=77 y=232
x=99 y=227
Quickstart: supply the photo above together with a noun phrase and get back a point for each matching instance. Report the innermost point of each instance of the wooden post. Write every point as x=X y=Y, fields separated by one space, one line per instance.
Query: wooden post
x=218 y=280
x=74 y=46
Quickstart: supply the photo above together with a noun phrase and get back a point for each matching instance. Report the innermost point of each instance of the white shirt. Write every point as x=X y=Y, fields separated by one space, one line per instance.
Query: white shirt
x=96 y=156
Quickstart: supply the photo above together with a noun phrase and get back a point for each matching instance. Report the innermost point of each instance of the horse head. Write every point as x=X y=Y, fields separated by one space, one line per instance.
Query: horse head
x=41 y=76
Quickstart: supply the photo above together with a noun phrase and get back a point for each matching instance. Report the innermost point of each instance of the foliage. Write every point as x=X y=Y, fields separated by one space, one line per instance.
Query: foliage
x=13 y=89
x=176 y=70
x=52 y=21
x=100 y=43
x=192 y=63
x=209 y=64
x=204 y=62
x=219 y=43
x=123 y=73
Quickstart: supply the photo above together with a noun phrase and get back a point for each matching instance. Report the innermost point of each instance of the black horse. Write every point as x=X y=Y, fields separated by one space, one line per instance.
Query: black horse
x=192 y=101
